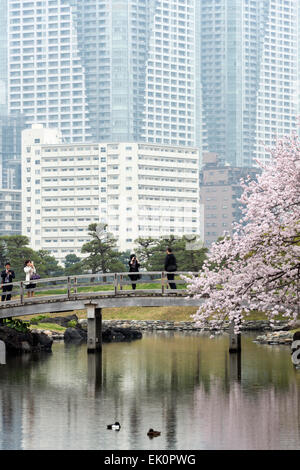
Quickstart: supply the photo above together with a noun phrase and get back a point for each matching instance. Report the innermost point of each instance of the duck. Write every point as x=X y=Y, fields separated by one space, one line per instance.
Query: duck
x=115 y=427
x=152 y=433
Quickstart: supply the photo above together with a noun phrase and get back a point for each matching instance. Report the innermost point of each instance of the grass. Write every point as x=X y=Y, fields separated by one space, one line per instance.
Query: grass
x=48 y=326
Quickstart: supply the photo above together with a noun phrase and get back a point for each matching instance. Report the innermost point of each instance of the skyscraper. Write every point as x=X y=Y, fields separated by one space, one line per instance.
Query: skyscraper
x=249 y=75
x=172 y=111
x=46 y=77
x=141 y=60
x=113 y=42
x=107 y=71
x=3 y=56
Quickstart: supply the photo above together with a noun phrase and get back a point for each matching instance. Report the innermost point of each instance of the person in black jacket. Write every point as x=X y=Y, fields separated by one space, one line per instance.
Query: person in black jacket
x=7 y=276
x=134 y=268
x=170 y=266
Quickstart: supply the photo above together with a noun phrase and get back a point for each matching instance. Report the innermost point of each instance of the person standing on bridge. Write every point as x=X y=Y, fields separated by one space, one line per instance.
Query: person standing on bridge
x=170 y=266
x=134 y=268
x=29 y=270
x=7 y=277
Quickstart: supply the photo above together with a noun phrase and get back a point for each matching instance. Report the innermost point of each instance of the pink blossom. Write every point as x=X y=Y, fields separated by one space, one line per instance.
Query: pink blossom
x=258 y=267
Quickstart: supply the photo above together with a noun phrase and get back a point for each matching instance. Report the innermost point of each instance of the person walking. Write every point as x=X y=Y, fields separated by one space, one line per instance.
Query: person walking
x=170 y=266
x=29 y=270
x=7 y=276
x=134 y=268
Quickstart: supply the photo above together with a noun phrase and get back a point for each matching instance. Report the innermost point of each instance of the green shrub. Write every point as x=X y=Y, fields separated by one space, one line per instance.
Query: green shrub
x=72 y=324
x=36 y=320
x=17 y=325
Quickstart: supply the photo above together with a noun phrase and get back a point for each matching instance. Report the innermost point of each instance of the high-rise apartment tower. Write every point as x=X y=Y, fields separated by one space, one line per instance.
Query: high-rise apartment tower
x=249 y=75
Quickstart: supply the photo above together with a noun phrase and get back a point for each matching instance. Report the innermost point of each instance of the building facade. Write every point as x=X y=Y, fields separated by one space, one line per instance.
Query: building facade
x=249 y=75
x=10 y=212
x=152 y=190
x=10 y=151
x=123 y=70
x=3 y=56
x=137 y=189
x=46 y=76
x=220 y=190
x=172 y=105
x=10 y=174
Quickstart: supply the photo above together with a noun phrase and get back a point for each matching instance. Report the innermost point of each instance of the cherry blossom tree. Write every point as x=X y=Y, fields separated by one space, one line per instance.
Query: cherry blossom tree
x=258 y=267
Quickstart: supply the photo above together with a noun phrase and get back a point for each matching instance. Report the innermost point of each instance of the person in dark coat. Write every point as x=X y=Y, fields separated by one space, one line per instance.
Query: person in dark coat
x=7 y=276
x=170 y=266
x=134 y=268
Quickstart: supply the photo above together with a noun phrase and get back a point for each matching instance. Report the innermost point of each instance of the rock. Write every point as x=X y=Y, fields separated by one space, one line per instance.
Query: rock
x=62 y=321
x=25 y=346
x=296 y=336
x=120 y=334
x=75 y=335
x=275 y=337
x=45 y=340
x=83 y=322
x=17 y=342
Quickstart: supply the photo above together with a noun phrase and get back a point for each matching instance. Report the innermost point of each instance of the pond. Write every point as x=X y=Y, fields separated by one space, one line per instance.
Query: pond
x=185 y=385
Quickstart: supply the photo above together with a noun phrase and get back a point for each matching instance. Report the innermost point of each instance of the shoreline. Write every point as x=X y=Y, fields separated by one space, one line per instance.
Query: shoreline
x=262 y=326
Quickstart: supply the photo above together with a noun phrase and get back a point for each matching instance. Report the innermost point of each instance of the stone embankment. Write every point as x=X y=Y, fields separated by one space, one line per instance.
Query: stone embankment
x=123 y=330
x=152 y=325
x=276 y=337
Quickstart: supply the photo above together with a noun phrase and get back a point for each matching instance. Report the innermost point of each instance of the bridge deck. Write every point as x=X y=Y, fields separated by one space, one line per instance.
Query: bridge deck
x=103 y=290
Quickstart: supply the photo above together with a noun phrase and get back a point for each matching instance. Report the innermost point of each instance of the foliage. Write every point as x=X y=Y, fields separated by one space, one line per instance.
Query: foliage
x=15 y=249
x=73 y=265
x=17 y=325
x=102 y=251
x=258 y=268
x=37 y=319
x=124 y=259
x=72 y=324
x=47 y=266
x=151 y=253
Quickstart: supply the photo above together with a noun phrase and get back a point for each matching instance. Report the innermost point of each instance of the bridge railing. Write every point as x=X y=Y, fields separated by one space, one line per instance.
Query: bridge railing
x=106 y=284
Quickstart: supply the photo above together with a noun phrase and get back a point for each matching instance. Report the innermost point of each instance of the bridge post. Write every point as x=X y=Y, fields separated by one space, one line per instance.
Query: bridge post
x=69 y=287
x=21 y=292
x=75 y=285
x=2 y=353
x=234 y=340
x=163 y=283
x=94 y=328
x=116 y=283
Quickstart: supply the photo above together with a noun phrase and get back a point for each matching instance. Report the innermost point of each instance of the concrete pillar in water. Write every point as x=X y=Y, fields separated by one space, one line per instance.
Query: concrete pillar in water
x=94 y=328
x=234 y=340
x=2 y=353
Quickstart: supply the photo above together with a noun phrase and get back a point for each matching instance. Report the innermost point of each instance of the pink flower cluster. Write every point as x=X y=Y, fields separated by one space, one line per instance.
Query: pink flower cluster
x=258 y=267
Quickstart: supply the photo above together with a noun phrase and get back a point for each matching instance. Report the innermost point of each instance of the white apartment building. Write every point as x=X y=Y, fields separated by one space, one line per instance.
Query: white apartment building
x=152 y=190
x=137 y=189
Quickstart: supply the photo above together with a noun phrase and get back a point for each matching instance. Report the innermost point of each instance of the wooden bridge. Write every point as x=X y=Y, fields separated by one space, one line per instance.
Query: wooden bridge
x=94 y=292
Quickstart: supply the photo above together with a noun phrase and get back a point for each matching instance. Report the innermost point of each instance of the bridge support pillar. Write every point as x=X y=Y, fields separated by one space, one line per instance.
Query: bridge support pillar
x=234 y=340
x=94 y=328
x=2 y=353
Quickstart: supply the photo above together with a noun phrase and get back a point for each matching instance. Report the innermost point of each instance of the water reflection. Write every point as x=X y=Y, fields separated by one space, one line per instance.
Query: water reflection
x=185 y=385
x=94 y=373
